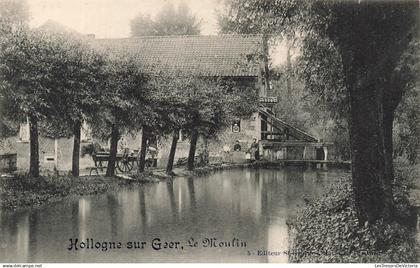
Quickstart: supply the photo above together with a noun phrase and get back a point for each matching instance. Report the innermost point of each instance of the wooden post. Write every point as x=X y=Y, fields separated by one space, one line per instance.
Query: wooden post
x=56 y=154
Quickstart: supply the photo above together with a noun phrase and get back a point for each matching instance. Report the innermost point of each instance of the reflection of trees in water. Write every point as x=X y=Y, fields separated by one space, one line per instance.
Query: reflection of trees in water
x=191 y=191
x=113 y=209
x=143 y=212
x=125 y=208
x=295 y=185
x=172 y=202
x=15 y=237
x=75 y=219
x=250 y=204
x=8 y=230
x=193 y=201
x=129 y=201
x=264 y=195
x=281 y=188
x=34 y=219
x=84 y=211
x=24 y=238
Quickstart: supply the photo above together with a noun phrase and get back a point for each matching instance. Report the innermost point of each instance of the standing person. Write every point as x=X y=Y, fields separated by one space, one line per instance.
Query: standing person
x=254 y=149
x=152 y=151
x=122 y=145
x=226 y=153
x=237 y=146
x=203 y=155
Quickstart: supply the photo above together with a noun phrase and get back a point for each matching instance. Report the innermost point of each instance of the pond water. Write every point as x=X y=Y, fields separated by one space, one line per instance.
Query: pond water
x=228 y=216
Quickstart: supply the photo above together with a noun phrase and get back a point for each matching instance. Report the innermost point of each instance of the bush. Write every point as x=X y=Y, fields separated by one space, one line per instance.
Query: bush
x=327 y=230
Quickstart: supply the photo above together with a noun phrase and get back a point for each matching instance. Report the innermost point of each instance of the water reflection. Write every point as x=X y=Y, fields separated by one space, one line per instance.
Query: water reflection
x=170 y=186
x=249 y=205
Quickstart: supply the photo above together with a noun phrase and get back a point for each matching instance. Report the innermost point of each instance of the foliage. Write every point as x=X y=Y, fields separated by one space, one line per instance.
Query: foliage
x=171 y=101
x=407 y=120
x=123 y=98
x=79 y=85
x=242 y=98
x=187 y=102
x=407 y=127
x=321 y=69
x=31 y=71
x=358 y=76
x=258 y=17
x=317 y=100
x=328 y=230
x=14 y=13
x=303 y=108
x=169 y=21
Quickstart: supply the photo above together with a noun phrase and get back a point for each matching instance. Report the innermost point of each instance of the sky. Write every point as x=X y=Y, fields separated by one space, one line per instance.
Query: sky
x=111 y=18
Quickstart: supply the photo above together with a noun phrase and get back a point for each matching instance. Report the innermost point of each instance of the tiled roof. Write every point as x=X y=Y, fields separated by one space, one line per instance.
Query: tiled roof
x=218 y=55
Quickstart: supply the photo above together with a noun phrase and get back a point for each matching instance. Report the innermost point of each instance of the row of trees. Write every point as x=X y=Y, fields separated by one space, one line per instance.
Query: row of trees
x=168 y=21
x=57 y=82
x=358 y=60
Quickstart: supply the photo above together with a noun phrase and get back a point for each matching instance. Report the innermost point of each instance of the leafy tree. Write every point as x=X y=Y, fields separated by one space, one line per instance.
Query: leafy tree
x=213 y=104
x=363 y=66
x=32 y=81
x=170 y=98
x=257 y=17
x=197 y=105
x=14 y=13
x=81 y=76
x=207 y=113
x=381 y=33
x=407 y=121
x=74 y=78
x=120 y=110
x=169 y=21
x=279 y=20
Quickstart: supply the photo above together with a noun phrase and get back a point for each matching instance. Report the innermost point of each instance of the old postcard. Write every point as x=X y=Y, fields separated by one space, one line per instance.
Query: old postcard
x=211 y=131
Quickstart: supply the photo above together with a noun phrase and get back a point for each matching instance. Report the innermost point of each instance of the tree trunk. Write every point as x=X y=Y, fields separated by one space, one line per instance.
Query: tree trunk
x=142 y=158
x=289 y=70
x=370 y=164
x=76 y=149
x=34 y=147
x=389 y=148
x=193 y=147
x=171 y=157
x=266 y=68
x=110 y=171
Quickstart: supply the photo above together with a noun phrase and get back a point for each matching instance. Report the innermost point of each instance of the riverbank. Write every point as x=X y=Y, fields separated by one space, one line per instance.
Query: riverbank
x=19 y=191
x=327 y=229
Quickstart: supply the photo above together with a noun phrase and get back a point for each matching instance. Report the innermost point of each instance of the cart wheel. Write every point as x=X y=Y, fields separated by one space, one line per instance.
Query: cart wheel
x=125 y=166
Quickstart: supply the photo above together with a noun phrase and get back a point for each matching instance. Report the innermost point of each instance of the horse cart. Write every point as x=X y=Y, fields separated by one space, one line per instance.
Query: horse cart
x=124 y=162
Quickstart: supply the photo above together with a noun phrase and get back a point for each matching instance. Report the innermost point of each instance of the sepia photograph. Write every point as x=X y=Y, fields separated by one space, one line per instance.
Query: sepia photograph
x=209 y=131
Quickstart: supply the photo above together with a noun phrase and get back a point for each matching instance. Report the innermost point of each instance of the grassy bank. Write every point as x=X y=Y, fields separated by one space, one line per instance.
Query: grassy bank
x=327 y=229
x=22 y=191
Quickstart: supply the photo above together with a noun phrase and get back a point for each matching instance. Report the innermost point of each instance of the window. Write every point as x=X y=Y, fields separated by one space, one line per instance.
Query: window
x=236 y=126
x=86 y=133
x=182 y=136
x=24 y=131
